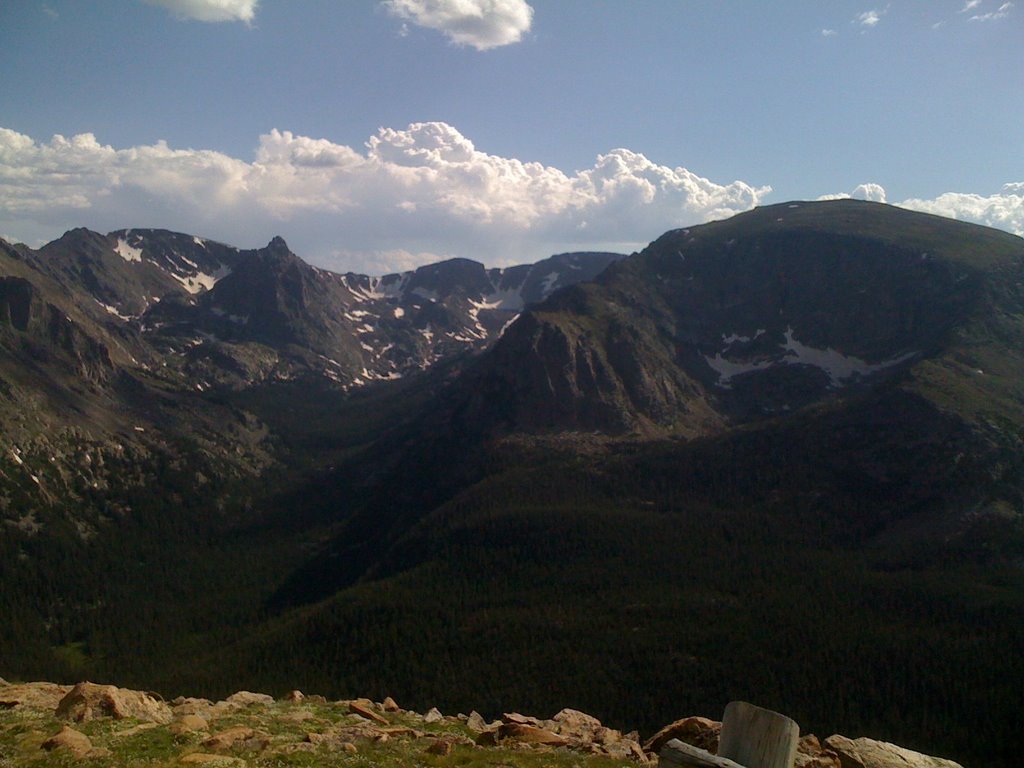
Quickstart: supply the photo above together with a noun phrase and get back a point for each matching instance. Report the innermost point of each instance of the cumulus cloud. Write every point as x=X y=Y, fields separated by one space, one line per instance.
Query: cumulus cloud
x=408 y=195
x=1003 y=210
x=483 y=24
x=211 y=10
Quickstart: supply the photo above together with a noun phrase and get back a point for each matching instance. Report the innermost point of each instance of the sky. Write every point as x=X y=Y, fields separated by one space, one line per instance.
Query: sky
x=378 y=135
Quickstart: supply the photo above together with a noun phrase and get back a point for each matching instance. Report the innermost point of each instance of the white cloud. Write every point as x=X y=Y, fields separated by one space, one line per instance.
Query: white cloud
x=211 y=10
x=1003 y=210
x=408 y=194
x=1000 y=13
x=483 y=24
x=868 y=18
x=873 y=192
x=828 y=33
x=970 y=5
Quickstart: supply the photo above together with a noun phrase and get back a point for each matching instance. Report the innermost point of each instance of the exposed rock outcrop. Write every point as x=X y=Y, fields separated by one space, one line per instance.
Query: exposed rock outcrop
x=87 y=701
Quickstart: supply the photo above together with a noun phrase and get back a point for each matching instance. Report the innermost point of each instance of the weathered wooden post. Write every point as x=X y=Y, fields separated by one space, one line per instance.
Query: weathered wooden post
x=752 y=737
x=758 y=738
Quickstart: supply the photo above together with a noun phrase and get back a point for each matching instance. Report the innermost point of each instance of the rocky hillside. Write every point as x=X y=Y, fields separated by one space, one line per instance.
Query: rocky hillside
x=109 y=726
x=764 y=314
x=121 y=349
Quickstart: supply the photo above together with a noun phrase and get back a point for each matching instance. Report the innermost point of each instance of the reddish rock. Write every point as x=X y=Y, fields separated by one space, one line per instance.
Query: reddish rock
x=294 y=696
x=364 y=708
x=488 y=738
x=530 y=734
x=188 y=724
x=574 y=720
x=810 y=754
x=32 y=695
x=69 y=739
x=441 y=747
x=87 y=701
x=250 y=699
x=390 y=705
x=697 y=731
x=238 y=737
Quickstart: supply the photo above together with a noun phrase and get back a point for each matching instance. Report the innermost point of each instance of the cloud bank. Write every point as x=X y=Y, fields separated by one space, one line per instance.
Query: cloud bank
x=482 y=24
x=1003 y=210
x=211 y=10
x=407 y=195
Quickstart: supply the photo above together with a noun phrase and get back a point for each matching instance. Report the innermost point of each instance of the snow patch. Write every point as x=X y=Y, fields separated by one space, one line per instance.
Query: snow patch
x=508 y=299
x=549 y=282
x=199 y=241
x=201 y=281
x=399 y=312
x=126 y=251
x=113 y=310
x=734 y=337
x=839 y=368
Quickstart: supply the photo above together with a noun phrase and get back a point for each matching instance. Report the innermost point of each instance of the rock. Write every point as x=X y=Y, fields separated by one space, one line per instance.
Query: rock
x=389 y=705
x=515 y=717
x=294 y=696
x=75 y=742
x=574 y=720
x=868 y=753
x=400 y=731
x=433 y=716
x=364 y=708
x=488 y=738
x=87 y=701
x=248 y=699
x=188 y=724
x=810 y=754
x=190 y=706
x=697 y=731
x=216 y=761
x=238 y=737
x=316 y=698
x=33 y=695
x=349 y=747
x=338 y=736
x=475 y=722
x=442 y=747
x=530 y=734
x=3 y=682
x=625 y=750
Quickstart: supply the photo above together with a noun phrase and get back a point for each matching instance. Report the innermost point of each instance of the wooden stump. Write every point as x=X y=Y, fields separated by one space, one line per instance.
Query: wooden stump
x=758 y=738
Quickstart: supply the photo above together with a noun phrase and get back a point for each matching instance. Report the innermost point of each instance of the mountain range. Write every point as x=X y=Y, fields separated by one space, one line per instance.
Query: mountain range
x=768 y=458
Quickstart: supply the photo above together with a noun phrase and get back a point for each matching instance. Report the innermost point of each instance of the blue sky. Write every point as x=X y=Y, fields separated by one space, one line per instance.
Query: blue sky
x=380 y=135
